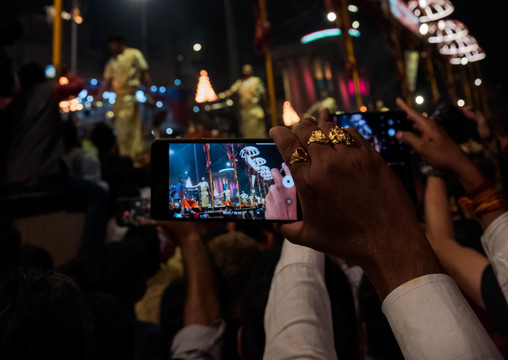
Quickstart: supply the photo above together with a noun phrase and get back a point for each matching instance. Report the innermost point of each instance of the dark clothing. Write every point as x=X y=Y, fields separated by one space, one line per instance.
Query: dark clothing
x=34 y=135
x=495 y=301
x=119 y=173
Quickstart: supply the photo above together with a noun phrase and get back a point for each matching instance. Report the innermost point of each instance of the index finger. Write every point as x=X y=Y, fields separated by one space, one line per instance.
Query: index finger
x=413 y=115
x=324 y=116
x=287 y=143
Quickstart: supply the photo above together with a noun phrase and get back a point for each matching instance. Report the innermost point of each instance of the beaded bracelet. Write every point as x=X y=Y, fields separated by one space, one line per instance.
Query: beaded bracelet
x=485 y=199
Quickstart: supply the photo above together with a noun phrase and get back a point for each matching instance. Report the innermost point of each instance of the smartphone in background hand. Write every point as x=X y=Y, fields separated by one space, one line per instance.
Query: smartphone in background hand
x=221 y=180
x=380 y=128
x=129 y=211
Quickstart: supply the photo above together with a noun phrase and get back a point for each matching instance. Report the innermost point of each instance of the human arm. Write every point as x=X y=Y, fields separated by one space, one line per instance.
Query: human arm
x=366 y=217
x=146 y=80
x=437 y=149
x=465 y=265
x=492 y=139
x=298 y=315
x=233 y=89
x=201 y=300
x=201 y=336
x=107 y=85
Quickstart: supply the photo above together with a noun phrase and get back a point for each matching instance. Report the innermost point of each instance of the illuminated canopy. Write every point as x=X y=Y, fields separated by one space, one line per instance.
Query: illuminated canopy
x=464 y=59
x=464 y=45
x=249 y=151
x=431 y=10
x=264 y=172
x=447 y=31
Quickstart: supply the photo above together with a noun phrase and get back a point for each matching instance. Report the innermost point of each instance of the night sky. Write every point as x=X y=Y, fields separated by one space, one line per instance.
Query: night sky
x=176 y=25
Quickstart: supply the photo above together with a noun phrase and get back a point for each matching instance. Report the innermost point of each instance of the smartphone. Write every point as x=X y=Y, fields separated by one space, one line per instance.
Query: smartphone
x=130 y=210
x=380 y=128
x=221 y=180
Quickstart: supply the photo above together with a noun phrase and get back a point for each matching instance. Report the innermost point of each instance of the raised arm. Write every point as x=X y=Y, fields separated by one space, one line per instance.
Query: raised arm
x=465 y=265
x=438 y=150
x=355 y=208
x=201 y=337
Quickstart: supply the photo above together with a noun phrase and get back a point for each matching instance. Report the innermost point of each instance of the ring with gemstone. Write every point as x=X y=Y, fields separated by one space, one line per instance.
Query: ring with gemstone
x=299 y=155
x=340 y=136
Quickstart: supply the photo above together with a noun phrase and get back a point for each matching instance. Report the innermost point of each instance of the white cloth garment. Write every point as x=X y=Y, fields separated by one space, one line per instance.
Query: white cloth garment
x=199 y=342
x=495 y=244
x=429 y=316
x=298 y=315
x=432 y=320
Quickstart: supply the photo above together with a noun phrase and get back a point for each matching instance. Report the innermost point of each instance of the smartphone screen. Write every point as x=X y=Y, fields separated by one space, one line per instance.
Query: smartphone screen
x=130 y=210
x=222 y=180
x=377 y=127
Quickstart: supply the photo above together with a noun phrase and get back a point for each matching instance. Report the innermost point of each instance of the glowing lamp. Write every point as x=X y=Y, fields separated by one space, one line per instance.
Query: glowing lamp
x=289 y=115
x=430 y=10
x=205 y=92
x=446 y=31
x=63 y=81
x=331 y=16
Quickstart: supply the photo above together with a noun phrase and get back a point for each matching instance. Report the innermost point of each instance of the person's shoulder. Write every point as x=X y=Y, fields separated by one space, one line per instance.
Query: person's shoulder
x=132 y=51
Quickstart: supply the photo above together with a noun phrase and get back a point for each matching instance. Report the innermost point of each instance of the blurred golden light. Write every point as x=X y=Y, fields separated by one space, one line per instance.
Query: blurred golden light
x=289 y=115
x=63 y=81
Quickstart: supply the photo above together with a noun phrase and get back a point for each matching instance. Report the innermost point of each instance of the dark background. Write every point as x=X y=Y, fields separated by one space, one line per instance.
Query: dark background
x=173 y=26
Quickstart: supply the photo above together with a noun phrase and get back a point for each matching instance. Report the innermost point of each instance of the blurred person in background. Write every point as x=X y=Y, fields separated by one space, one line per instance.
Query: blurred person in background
x=124 y=73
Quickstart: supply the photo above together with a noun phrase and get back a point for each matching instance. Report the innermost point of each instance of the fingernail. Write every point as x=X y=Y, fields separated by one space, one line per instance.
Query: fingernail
x=399 y=135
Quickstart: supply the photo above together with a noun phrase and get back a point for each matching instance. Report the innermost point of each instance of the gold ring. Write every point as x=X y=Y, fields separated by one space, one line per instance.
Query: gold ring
x=318 y=137
x=340 y=136
x=300 y=155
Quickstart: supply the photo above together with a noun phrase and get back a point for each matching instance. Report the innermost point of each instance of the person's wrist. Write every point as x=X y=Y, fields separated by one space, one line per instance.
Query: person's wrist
x=411 y=258
x=468 y=175
x=189 y=239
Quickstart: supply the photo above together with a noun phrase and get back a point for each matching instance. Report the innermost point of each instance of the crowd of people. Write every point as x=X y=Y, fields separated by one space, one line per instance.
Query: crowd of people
x=367 y=274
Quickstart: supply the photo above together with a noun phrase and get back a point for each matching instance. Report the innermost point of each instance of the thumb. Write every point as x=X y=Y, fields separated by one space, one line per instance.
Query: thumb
x=409 y=138
x=293 y=232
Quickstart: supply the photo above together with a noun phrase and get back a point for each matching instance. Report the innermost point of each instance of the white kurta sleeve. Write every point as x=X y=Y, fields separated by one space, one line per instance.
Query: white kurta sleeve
x=432 y=320
x=495 y=243
x=298 y=316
